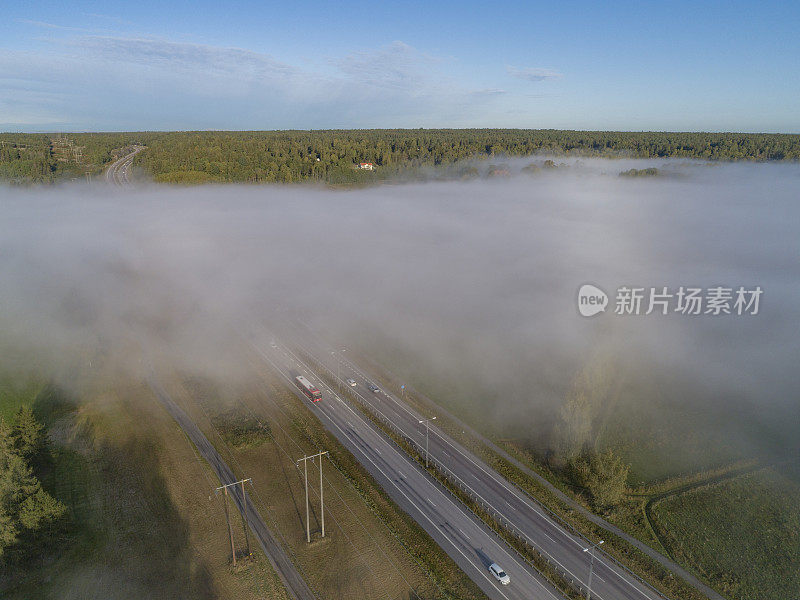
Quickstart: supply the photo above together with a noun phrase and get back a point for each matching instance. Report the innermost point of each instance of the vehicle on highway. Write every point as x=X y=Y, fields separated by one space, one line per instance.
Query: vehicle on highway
x=499 y=574
x=352 y=382
x=373 y=388
x=308 y=388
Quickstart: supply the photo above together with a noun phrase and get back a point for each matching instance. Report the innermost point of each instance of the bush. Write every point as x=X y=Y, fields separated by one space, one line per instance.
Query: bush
x=240 y=429
x=602 y=474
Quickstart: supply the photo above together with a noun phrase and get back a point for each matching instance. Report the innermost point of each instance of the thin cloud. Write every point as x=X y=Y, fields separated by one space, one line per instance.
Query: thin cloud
x=397 y=65
x=489 y=92
x=156 y=83
x=46 y=25
x=112 y=18
x=163 y=52
x=534 y=74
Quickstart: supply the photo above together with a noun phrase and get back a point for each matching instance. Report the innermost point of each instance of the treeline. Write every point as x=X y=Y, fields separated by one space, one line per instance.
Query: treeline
x=331 y=155
x=46 y=158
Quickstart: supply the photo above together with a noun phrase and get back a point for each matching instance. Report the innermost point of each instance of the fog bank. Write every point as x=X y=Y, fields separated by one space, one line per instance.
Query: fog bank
x=471 y=282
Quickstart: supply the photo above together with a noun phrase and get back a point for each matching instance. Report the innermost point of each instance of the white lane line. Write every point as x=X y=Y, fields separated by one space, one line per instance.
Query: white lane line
x=421 y=512
x=499 y=549
x=496 y=477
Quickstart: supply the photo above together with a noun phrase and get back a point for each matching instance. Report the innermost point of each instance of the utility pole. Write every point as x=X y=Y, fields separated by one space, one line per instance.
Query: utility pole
x=244 y=519
x=305 y=460
x=230 y=527
x=426 y=421
x=590 y=550
x=321 y=498
x=224 y=489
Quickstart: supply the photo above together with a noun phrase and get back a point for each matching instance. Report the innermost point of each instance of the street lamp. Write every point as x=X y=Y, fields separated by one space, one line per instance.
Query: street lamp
x=590 y=550
x=426 y=421
x=338 y=381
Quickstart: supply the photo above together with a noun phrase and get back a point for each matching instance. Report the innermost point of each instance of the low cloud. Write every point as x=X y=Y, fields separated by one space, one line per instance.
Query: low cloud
x=532 y=73
x=469 y=287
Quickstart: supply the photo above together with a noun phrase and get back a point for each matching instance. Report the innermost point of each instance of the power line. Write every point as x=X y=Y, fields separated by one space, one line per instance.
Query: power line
x=224 y=488
x=305 y=460
x=350 y=484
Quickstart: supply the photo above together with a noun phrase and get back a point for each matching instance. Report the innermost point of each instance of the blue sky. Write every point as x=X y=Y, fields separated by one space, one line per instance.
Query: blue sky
x=721 y=66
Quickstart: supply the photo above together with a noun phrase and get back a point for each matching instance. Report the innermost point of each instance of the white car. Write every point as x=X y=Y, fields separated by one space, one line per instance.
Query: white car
x=352 y=382
x=499 y=574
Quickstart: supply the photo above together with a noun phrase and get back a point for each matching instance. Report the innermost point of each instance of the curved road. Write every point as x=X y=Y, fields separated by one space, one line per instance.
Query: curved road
x=118 y=172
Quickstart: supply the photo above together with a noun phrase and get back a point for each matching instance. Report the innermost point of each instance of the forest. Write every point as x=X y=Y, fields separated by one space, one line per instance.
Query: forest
x=331 y=156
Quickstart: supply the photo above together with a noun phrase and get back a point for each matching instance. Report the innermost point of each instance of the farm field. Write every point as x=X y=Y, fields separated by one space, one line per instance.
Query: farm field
x=743 y=533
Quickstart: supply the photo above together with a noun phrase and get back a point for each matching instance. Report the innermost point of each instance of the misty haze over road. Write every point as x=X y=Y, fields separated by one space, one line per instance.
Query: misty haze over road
x=476 y=279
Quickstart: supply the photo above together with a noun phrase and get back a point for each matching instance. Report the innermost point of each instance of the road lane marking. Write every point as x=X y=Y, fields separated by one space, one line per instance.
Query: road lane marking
x=500 y=549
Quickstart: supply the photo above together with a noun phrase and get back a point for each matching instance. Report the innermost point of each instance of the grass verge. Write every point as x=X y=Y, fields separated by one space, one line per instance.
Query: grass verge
x=367 y=532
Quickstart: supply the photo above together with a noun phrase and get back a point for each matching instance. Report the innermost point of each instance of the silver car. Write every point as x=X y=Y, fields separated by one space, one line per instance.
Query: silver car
x=352 y=382
x=499 y=574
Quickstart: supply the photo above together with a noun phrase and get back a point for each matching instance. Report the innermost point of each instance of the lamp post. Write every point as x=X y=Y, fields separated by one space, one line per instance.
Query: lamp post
x=338 y=380
x=590 y=550
x=426 y=421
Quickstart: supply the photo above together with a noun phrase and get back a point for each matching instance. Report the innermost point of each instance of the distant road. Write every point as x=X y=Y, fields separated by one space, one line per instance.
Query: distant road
x=290 y=576
x=119 y=171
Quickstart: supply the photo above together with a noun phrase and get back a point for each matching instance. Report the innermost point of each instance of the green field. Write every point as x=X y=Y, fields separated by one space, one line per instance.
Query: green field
x=743 y=534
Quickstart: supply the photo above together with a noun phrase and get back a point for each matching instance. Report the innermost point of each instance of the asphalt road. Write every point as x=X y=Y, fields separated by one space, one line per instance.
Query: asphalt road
x=465 y=538
x=515 y=508
x=119 y=171
x=290 y=576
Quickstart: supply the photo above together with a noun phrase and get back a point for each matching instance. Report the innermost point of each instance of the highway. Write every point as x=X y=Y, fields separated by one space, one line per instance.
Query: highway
x=118 y=172
x=519 y=512
x=471 y=544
